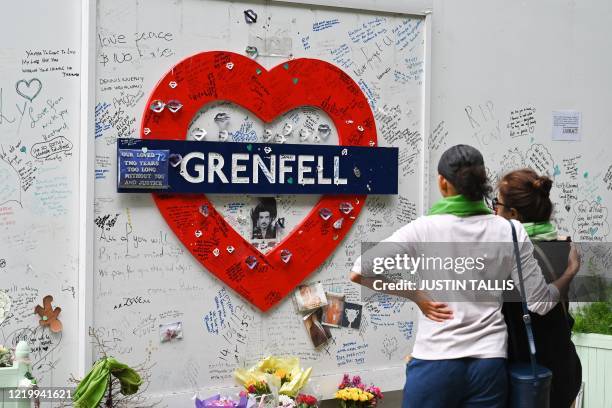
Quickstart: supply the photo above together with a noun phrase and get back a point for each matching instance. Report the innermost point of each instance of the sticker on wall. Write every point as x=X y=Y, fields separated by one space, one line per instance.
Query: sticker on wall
x=250 y=16
x=170 y=331
x=48 y=314
x=262 y=279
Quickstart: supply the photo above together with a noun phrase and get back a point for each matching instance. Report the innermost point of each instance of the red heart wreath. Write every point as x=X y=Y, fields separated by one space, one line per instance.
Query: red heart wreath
x=220 y=75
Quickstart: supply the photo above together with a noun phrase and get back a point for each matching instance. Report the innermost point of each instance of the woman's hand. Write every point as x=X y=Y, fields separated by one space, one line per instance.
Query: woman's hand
x=573 y=266
x=436 y=311
x=573 y=260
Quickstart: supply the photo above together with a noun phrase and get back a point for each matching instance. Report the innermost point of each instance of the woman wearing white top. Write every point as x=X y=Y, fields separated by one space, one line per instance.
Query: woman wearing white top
x=459 y=353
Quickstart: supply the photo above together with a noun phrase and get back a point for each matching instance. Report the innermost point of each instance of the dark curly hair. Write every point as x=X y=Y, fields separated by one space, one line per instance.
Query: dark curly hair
x=265 y=204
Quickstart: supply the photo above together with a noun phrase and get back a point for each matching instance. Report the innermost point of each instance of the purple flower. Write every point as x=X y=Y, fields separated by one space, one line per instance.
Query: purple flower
x=218 y=401
x=346 y=381
x=356 y=380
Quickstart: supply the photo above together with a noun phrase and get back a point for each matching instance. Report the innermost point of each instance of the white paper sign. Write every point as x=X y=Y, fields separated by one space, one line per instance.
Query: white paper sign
x=566 y=125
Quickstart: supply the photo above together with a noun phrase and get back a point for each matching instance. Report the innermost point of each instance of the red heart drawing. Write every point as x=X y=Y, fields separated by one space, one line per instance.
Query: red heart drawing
x=220 y=75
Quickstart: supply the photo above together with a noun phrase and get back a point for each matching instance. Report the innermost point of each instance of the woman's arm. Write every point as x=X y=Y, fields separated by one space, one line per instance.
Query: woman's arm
x=398 y=243
x=573 y=266
x=541 y=297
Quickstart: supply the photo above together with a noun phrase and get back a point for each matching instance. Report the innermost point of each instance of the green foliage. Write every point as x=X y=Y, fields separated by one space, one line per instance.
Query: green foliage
x=6 y=359
x=594 y=318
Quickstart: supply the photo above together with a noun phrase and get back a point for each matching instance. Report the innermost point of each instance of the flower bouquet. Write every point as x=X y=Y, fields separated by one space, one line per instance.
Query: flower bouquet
x=301 y=401
x=6 y=357
x=352 y=393
x=306 y=401
x=275 y=382
x=285 y=373
x=218 y=401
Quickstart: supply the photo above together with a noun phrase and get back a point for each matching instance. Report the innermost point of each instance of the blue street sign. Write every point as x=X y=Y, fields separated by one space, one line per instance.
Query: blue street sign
x=179 y=166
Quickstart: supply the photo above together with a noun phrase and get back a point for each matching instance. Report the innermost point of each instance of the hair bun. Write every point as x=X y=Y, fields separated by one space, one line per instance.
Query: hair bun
x=543 y=183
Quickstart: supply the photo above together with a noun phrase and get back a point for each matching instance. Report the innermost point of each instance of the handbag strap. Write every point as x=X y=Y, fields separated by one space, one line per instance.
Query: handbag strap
x=526 y=316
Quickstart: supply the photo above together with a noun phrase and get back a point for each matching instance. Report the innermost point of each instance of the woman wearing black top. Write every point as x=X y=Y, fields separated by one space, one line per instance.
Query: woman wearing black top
x=524 y=196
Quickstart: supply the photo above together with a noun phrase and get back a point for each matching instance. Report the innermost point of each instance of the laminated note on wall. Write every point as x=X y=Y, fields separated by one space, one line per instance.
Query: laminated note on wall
x=566 y=125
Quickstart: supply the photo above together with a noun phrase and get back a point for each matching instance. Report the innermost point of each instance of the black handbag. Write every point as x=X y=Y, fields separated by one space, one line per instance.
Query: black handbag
x=529 y=383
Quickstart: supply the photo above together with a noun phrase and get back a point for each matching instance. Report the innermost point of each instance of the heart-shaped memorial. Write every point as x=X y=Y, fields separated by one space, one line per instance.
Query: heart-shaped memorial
x=262 y=279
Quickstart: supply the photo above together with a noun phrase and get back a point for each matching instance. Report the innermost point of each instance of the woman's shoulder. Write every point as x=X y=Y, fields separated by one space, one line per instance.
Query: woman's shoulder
x=504 y=222
x=448 y=218
x=496 y=227
x=521 y=233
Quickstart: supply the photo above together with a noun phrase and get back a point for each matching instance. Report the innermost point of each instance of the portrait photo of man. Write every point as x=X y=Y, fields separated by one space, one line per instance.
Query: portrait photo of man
x=264 y=217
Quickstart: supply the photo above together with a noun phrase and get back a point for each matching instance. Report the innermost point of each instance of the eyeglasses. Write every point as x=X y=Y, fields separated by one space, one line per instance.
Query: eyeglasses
x=495 y=203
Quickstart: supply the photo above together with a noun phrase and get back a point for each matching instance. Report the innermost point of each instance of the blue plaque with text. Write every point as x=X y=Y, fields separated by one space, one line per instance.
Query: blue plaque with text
x=143 y=169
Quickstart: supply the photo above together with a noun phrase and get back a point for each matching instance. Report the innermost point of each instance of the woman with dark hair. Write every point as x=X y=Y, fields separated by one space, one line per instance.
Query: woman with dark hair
x=525 y=196
x=459 y=355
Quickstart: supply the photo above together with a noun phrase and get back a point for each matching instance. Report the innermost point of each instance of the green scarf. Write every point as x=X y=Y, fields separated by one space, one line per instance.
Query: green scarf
x=460 y=206
x=541 y=231
x=92 y=388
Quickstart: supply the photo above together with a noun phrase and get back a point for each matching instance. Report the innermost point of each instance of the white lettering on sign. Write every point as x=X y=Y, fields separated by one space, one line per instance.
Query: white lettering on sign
x=208 y=171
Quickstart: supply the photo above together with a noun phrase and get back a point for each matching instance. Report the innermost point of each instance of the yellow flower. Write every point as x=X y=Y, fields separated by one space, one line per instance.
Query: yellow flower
x=346 y=394
x=353 y=394
x=292 y=377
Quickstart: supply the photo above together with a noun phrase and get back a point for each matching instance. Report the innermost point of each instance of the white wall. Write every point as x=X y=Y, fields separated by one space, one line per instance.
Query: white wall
x=490 y=54
x=39 y=156
x=504 y=55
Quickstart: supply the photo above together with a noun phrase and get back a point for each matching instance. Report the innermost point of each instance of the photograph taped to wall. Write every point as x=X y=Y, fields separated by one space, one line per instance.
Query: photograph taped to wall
x=318 y=333
x=332 y=313
x=263 y=216
x=310 y=297
x=351 y=317
x=266 y=227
